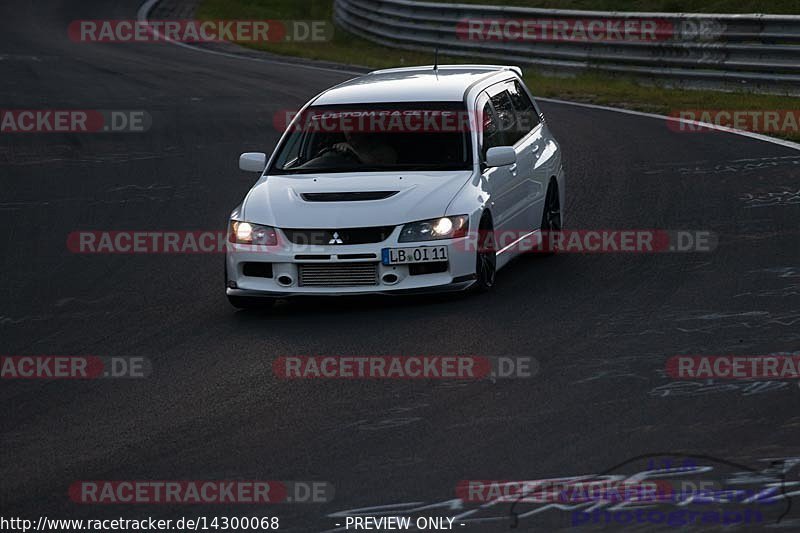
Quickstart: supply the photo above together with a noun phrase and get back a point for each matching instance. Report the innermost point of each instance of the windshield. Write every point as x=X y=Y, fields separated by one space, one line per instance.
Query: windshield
x=380 y=137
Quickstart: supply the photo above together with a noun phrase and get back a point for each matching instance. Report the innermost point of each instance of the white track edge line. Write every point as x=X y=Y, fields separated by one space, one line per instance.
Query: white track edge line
x=723 y=129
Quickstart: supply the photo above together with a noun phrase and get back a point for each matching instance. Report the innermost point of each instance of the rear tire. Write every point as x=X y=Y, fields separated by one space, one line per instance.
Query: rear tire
x=551 y=217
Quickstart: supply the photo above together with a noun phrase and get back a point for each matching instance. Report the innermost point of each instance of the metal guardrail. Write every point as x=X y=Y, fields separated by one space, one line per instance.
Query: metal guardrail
x=724 y=51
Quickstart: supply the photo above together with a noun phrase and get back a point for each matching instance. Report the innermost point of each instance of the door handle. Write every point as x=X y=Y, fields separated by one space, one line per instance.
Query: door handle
x=535 y=149
x=513 y=169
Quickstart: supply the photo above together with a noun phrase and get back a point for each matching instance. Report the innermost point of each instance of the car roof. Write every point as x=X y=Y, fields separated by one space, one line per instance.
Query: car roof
x=448 y=83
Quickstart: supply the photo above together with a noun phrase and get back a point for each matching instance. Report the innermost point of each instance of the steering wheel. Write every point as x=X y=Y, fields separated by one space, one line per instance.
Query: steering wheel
x=347 y=153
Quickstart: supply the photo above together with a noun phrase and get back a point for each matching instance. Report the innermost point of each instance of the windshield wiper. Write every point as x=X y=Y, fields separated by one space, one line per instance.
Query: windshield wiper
x=318 y=170
x=437 y=167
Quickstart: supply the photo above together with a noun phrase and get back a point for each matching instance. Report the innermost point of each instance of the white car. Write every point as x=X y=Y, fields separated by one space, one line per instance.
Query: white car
x=387 y=183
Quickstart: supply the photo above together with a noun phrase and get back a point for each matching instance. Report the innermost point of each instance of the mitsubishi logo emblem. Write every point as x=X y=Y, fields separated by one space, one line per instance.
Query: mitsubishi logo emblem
x=336 y=239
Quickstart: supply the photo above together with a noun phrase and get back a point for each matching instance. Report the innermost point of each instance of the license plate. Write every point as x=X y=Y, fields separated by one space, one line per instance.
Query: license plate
x=420 y=254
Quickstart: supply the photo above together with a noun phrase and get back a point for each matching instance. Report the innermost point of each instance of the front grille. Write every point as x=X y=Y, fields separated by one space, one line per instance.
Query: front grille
x=338 y=274
x=324 y=237
x=356 y=256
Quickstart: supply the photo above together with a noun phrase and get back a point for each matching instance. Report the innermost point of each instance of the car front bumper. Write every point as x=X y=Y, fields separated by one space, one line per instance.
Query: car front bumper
x=287 y=259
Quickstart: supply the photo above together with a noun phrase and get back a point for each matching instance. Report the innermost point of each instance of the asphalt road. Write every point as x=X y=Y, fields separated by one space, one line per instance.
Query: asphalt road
x=601 y=326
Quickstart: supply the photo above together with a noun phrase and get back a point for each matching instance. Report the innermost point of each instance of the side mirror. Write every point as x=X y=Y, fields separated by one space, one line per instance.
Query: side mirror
x=253 y=162
x=501 y=156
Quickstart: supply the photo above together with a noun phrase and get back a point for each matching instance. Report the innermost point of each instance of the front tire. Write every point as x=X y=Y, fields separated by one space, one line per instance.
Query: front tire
x=551 y=218
x=486 y=258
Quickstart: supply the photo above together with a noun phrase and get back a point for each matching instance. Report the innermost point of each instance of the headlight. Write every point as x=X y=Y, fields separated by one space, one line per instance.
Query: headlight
x=436 y=228
x=247 y=233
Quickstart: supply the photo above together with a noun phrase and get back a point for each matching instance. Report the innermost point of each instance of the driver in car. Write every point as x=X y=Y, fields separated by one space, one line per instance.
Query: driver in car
x=367 y=148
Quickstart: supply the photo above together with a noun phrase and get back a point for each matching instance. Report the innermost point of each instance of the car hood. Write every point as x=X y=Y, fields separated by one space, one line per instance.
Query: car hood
x=280 y=201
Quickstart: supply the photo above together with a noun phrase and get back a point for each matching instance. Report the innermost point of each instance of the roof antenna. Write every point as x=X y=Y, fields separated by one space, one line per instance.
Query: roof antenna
x=436 y=60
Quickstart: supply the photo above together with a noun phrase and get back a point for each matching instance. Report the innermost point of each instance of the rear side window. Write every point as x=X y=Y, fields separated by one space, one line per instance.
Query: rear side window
x=527 y=117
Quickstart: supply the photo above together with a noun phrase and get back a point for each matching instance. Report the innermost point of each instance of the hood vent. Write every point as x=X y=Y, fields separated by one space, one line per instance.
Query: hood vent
x=346 y=196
